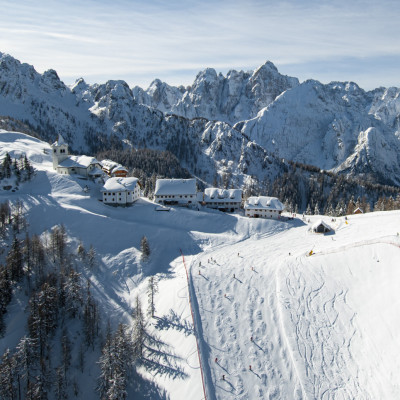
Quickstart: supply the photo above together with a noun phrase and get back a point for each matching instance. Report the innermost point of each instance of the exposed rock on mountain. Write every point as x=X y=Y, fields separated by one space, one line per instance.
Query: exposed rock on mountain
x=236 y=97
x=337 y=127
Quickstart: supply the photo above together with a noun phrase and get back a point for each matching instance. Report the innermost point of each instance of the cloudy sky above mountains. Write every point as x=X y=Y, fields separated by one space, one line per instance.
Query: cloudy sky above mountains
x=138 y=41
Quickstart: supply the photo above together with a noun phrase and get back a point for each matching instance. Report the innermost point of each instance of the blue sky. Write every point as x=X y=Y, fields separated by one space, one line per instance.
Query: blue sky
x=138 y=41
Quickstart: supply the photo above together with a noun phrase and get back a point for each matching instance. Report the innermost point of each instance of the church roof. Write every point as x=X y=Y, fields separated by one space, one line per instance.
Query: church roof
x=77 y=162
x=60 y=141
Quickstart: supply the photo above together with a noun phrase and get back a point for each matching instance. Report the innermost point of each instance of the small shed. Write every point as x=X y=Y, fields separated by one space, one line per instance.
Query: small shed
x=321 y=227
x=358 y=210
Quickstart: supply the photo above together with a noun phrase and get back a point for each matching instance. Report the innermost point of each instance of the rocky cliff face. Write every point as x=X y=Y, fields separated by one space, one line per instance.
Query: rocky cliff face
x=236 y=97
x=337 y=127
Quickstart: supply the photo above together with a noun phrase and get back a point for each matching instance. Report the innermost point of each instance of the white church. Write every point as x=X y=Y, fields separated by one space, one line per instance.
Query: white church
x=67 y=164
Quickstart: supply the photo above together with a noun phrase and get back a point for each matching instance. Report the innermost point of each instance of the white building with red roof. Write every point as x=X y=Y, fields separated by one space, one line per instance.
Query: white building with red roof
x=112 y=168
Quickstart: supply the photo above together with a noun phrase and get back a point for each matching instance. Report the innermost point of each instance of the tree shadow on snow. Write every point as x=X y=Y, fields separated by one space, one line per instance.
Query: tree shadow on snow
x=159 y=359
x=174 y=321
x=144 y=389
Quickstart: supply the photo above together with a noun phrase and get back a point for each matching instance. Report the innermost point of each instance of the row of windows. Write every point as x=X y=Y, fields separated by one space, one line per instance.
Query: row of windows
x=178 y=196
x=261 y=210
x=222 y=203
x=113 y=194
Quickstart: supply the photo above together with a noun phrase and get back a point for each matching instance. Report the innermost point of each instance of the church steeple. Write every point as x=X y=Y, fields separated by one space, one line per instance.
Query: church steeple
x=60 y=151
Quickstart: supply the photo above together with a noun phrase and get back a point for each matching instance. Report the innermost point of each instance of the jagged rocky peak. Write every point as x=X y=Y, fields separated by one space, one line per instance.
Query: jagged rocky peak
x=238 y=96
x=12 y=68
x=269 y=73
x=51 y=81
x=7 y=62
x=79 y=85
x=112 y=89
x=209 y=75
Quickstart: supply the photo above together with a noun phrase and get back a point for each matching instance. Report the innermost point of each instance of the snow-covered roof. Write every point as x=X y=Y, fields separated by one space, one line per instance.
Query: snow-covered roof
x=217 y=195
x=119 y=168
x=270 y=203
x=60 y=141
x=96 y=172
x=108 y=163
x=78 y=162
x=119 y=184
x=316 y=224
x=112 y=166
x=175 y=186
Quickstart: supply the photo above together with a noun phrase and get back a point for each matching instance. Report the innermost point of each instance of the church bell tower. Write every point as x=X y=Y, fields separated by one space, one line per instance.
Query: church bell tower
x=60 y=151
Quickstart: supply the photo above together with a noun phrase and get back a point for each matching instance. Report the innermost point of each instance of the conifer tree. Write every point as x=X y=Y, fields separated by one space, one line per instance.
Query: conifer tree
x=139 y=329
x=5 y=296
x=8 y=388
x=5 y=214
x=15 y=261
x=81 y=251
x=60 y=385
x=90 y=318
x=27 y=356
x=7 y=166
x=91 y=257
x=152 y=289
x=27 y=168
x=65 y=353
x=145 y=248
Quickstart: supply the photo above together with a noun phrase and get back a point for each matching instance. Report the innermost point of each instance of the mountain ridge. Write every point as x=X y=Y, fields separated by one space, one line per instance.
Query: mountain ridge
x=336 y=126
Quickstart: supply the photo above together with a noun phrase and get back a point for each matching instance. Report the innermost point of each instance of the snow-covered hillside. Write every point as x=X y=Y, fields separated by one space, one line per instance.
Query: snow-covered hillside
x=323 y=326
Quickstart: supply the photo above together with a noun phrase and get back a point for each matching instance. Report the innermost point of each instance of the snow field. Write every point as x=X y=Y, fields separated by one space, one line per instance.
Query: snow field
x=323 y=327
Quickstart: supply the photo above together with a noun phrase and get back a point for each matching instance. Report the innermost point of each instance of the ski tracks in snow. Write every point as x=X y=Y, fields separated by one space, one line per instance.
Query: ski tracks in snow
x=320 y=330
x=248 y=358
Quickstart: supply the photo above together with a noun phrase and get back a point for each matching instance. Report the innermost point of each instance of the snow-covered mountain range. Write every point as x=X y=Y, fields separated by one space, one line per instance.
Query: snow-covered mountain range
x=336 y=126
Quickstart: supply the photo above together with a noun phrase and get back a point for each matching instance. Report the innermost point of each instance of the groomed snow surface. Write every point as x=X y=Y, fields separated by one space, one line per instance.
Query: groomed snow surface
x=324 y=326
